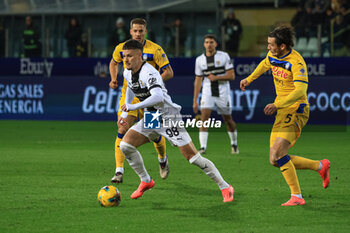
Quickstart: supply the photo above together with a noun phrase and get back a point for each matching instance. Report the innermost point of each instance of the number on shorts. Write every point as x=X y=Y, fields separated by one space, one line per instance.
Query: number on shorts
x=172 y=132
x=288 y=118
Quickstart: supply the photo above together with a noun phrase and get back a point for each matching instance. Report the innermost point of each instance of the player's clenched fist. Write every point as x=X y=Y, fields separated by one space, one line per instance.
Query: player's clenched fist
x=244 y=83
x=113 y=84
x=270 y=109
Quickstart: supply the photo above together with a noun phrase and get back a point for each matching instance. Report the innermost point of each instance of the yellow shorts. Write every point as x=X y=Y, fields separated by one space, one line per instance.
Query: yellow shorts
x=136 y=113
x=289 y=122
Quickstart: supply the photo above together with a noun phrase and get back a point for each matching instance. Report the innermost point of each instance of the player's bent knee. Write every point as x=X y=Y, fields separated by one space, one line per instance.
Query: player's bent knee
x=126 y=148
x=273 y=156
x=273 y=162
x=122 y=129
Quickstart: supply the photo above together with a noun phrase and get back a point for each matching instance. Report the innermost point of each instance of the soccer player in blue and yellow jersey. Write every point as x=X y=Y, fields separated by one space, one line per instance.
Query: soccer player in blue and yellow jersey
x=291 y=81
x=153 y=54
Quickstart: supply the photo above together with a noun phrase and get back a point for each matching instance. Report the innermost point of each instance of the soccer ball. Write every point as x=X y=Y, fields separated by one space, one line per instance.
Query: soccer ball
x=109 y=196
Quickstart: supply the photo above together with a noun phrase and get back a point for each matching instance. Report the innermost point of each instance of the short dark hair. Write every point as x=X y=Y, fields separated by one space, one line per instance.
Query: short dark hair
x=283 y=35
x=140 y=21
x=132 y=45
x=211 y=36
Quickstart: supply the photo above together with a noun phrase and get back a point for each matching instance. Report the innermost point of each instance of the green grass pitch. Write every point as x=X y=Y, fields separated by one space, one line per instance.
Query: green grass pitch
x=51 y=172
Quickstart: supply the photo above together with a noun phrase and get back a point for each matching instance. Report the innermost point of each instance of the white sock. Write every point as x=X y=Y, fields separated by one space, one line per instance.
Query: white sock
x=135 y=161
x=297 y=195
x=209 y=169
x=163 y=160
x=233 y=137
x=320 y=166
x=119 y=169
x=203 y=139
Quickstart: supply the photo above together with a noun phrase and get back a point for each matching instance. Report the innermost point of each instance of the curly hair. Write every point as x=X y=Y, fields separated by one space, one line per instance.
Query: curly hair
x=283 y=35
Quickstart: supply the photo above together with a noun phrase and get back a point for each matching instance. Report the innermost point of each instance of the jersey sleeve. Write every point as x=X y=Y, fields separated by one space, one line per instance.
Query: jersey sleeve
x=160 y=58
x=153 y=80
x=117 y=53
x=198 y=71
x=299 y=71
x=229 y=63
x=263 y=66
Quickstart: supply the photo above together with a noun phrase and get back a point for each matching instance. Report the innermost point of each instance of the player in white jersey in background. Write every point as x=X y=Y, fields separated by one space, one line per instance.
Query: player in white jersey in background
x=145 y=82
x=214 y=69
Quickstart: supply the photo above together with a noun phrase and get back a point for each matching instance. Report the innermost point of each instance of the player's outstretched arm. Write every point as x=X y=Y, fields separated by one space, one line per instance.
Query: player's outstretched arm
x=263 y=66
x=113 y=70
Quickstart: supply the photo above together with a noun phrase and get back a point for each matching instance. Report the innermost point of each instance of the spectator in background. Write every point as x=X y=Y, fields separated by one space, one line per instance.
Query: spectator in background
x=318 y=15
x=339 y=36
x=119 y=34
x=335 y=4
x=31 y=39
x=233 y=30
x=322 y=4
x=328 y=16
x=178 y=37
x=73 y=36
x=345 y=13
x=298 y=22
x=82 y=47
x=2 y=39
x=310 y=23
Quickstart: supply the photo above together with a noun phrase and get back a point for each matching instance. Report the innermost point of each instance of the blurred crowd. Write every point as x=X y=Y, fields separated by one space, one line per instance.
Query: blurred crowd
x=77 y=41
x=331 y=17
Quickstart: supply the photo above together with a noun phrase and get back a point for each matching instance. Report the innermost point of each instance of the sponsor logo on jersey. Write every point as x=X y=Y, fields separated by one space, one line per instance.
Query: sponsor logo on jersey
x=152 y=81
x=164 y=57
x=277 y=72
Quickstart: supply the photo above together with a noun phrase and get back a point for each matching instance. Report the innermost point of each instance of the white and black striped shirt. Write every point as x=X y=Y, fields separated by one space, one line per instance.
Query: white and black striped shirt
x=218 y=65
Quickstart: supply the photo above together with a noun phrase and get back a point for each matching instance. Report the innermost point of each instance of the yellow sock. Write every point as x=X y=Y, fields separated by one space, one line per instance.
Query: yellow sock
x=161 y=147
x=289 y=173
x=119 y=156
x=304 y=163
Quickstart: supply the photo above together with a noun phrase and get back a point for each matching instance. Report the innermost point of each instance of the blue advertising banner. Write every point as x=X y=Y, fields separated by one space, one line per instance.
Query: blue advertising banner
x=77 y=89
x=336 y=66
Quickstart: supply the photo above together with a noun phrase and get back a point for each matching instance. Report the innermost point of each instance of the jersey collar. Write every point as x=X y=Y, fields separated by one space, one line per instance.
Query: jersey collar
x=136 y=74
x=286 y=54
x=205 y=54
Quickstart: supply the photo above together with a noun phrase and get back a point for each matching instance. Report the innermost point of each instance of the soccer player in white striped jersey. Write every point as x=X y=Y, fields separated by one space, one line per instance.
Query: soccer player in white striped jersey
x=214 y=69
x=145 y=82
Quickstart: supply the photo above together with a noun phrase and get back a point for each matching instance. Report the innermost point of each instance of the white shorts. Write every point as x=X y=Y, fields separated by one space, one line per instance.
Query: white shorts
x=223 y=104
x=177 y=136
